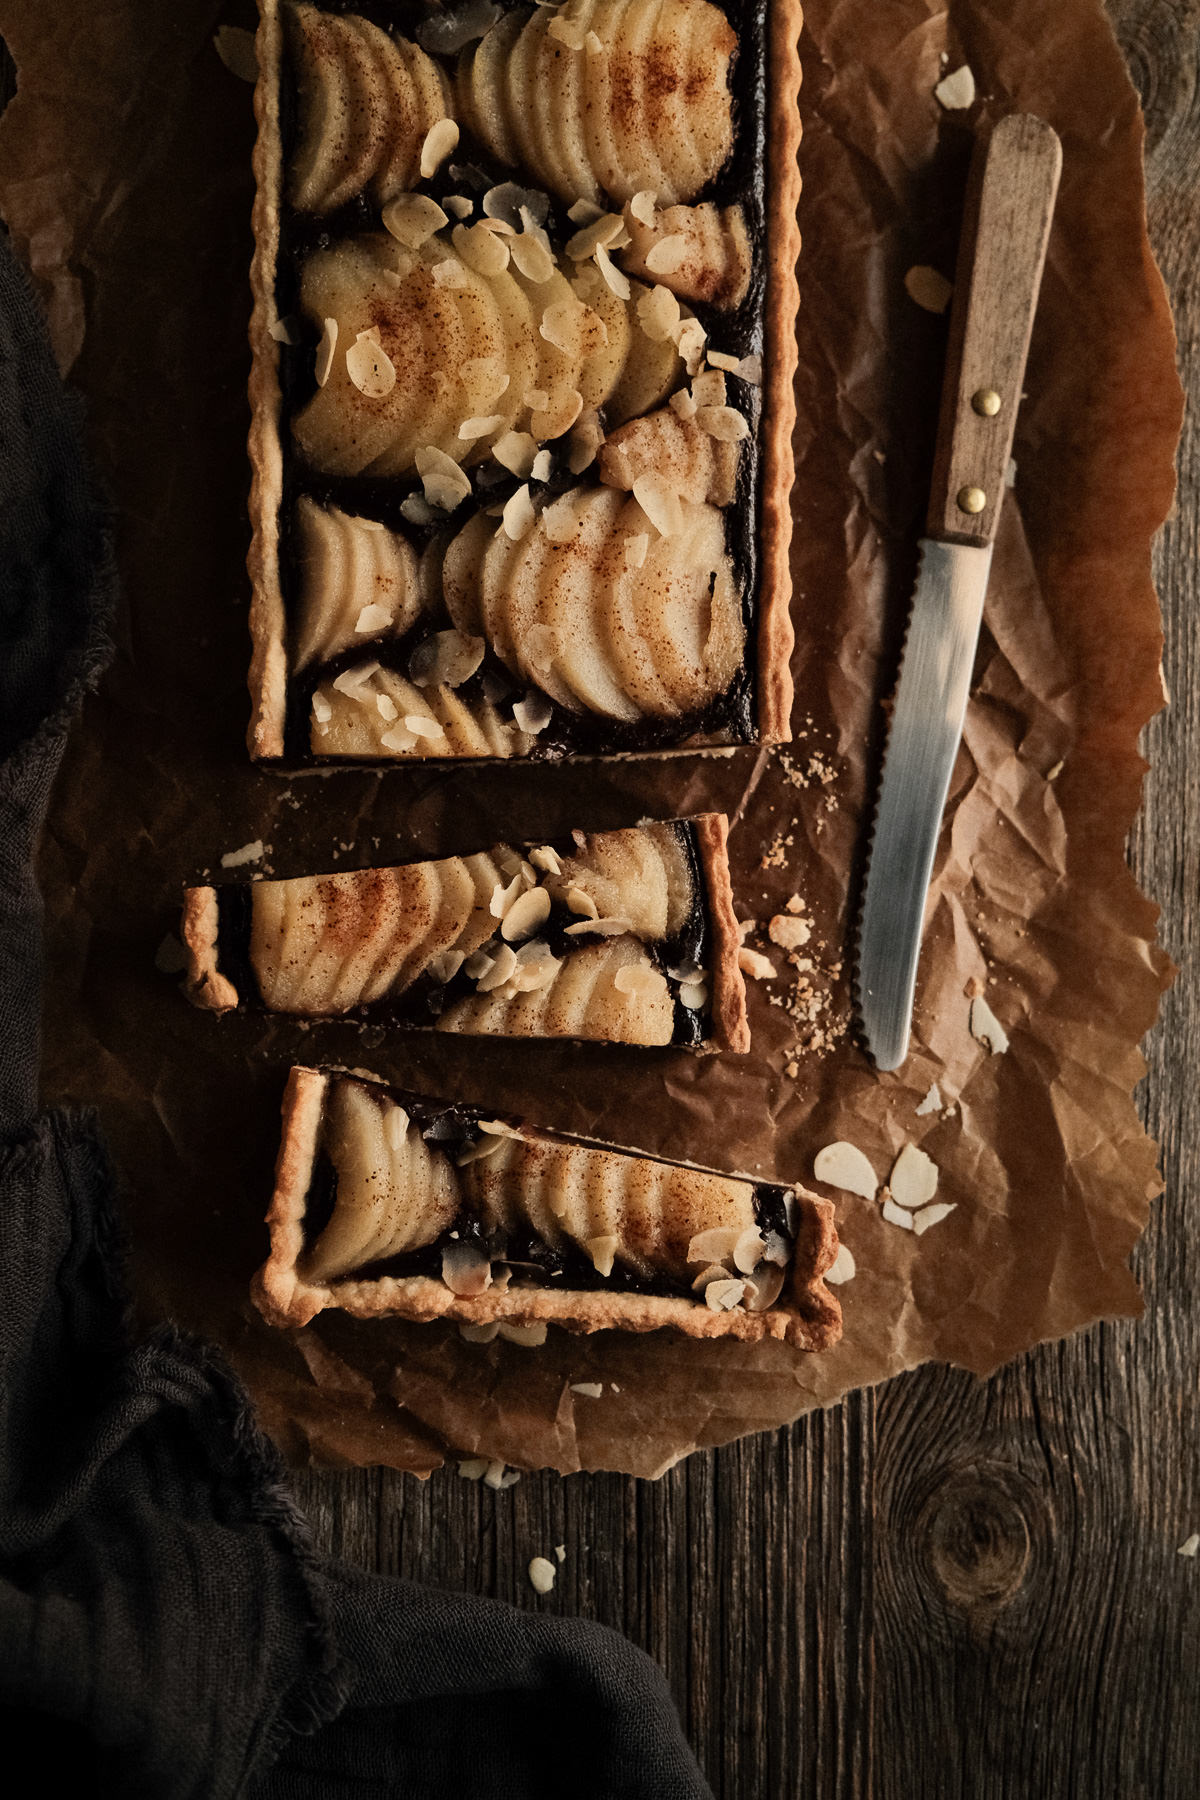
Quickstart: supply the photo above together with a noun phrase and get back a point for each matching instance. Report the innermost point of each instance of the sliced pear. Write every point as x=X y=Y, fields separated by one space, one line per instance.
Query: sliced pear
x=462 y=573
x=698 y=466
x=574 y=603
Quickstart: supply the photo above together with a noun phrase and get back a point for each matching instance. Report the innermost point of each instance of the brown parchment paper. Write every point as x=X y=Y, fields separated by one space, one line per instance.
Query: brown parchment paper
x=124 y=176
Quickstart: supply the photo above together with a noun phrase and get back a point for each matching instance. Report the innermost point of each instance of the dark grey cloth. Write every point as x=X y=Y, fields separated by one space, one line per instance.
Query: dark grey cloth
x=165 y=1625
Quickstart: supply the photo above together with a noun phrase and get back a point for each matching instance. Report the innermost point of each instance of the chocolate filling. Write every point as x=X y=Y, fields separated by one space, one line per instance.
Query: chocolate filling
x=454 y=1127
x=471 y=171
x=422 y=1004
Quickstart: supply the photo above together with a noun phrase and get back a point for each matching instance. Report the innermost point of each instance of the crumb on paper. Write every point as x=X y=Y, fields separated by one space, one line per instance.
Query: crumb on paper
x=170 y=958
x=844 y=1166
x=591 y=1389
x=498 y=1476
x=756 y=965
x=914 y=1178
x=791 y=1070
x=956 y=91
x=986 y=1028
x=932 y=1215
x=896 y=1215
x=842 y=1268
x=775 y=854
x=237 y=859
x=932 y=1102
x=1189 y=1546
x=973 y=987
x=542 y=1574
x=928 y=287
x=235 y=47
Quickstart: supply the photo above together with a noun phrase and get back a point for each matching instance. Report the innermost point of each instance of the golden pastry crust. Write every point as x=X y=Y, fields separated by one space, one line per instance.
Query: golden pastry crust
x=773 y=627
x=206 y=987
x=727 y=986
x=807 y=1315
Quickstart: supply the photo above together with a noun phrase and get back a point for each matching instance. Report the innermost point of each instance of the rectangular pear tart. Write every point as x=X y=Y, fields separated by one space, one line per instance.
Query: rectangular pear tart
x=523 y=349
x=624 y=937
x=391 y=1203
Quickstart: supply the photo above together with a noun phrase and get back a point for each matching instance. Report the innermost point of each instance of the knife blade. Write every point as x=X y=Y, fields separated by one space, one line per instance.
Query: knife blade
x=1006 y=226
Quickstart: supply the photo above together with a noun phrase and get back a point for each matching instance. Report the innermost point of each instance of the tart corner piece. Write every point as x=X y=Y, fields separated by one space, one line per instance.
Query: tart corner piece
x=449 y=1215
x=730 y=1022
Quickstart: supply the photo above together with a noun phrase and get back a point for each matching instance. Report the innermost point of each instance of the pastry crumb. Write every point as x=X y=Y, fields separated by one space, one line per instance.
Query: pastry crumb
x=757 y=966
x=591 y=1389
x=1189 y=1546
x=497 y=1475
x=788 y=931
x=560 y=1550
x=251 y=852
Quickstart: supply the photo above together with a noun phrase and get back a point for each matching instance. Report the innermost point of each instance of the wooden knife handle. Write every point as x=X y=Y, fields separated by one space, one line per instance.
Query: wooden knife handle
x=1006 y=225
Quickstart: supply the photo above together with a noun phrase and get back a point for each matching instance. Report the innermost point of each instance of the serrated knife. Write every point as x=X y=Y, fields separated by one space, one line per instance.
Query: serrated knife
x=1006 y=224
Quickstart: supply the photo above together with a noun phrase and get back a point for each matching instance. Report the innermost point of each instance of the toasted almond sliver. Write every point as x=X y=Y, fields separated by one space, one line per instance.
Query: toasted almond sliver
x=440 y=140
x=617 y=281
x=665 y=256
x=460 y=206
x=446 y=659
x=844 y=1166
x=386 y=707
x=709 y=388
x=372 y=618
x=683 y=404
x=527 y=912
x=931 y=1215
x=640 y=982
x=842 y=1268
x=557 y=419
x=719 y=359
x=417 y=510
x=602 y=1251
x=412 y=219
x=658 y=313
x=502 y=967
x=896 y=1215
x=693 y=995
x=642 y=207
x=446 y=485
x=481 y=427
x=325 y=350
x=599 y=231
x=421 y=725
x=956 y=91
x=584 y=211
x=932 y=1102
x=587 y=435
x=570 y=32
x=724 y=423
x=532 y=258
x=749 y=1250
x=715 y=1245
x=724 y=1296
x=580 y=901
x=546 y=859
x=481 y=249
x=518 y=516
x=504 y=896
x=533 y=713
x=714 y=1272
x=516 y=451
x=398 y=739
x=763 y=1288
x=543 y=465
x=914 y=1178
x=986 y=1028
x=351 y=680
x=283 y=331
x=660 y=503
x=591 y=1390
x=450 y=273
x=599 y=928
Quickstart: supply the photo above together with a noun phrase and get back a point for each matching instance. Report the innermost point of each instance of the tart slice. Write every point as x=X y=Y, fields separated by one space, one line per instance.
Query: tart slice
x=389 y=1203
x=521 y=389
x=624 y=937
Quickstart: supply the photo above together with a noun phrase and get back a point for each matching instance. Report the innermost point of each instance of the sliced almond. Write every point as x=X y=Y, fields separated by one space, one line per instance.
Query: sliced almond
x=724 y=423
x=482 y=250
x=503 y=964
x=635 y=550
x=531 y=1336
x=445 y=966
x=503 y=897
x=386 y=707
x=372 y=618
x=716 y=1244
x=580 y=901
x=446 y=485
x=843 y=1165
x=533 y=713
x=527 y=912
x=658 y=314
x=714 y=1272
x=913 y=1179
x=749 y=1250
x=597 y=232
x=724 y=1296
x=543 y=465
x=599 y=928
x=446 y=659
x=546 y=859
x=642 y=207
x=842 y=1268
x=518 y=516
x=542 y=647
x=986 y=1028
x=668 y=254
x=708 y=389
x=325 y=350
x=440 y=140
x=516 y=451
x=896 y=1215
x=932 y=1102
x=693 y=995
x=932 y=1215
x=465 y=1269
x=398 y=739
x=481 y=426
x=582 y=212
x=591 y=1390
x=683 y=404
x=603 y=1252
x=956 y=91
x=660 y=503
x=412 y=219
x=638 y=981
x=763 y=1288
x=480 y=1334
x=532 y=257
x=556 y=419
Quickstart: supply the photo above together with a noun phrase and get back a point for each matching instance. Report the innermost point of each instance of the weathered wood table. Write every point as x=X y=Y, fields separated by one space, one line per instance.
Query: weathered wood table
x=945 y=1587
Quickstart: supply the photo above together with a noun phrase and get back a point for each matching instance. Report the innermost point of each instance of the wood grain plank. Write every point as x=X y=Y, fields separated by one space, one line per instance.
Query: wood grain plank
x=946 y=1587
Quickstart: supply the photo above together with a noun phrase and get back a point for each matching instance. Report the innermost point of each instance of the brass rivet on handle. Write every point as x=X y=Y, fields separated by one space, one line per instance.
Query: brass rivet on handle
x=971 y=500
x=986 y=402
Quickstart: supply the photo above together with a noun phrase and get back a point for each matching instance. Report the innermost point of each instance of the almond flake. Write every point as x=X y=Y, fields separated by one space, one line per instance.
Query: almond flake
x=594 y=44
x=322 y=711
x=440 y=140
x=591 y=1390
x=480 y=1334
x=602 y=1251
x=486 y=374
x=557 y=419
x=398 y=739
x=724 y=423
x=682 y=404
x=749 y=1250
x=932 y=1215
x=516 y=451
x=417 y=510
x=724 y=1296
x=502 y=967
x=642 y=208
x=518 y=515
x=560 y=522
x=660 y=503
x=386 y=707
x=527 y=912
x=599 y=928
x=932 y=1102
x=759 y=968
x=370 y=367
x=372 y=618
x=503 y=897
x=618 y=282
x=913 y=1179
x=750 y=370
x=714 y=1245
x=664 y=257
x=530 y=1336
x=956 y=92
x=465 y=1269
x=460 y=206
x=763 y=1288
x=599 y=231
x=708 y=389
x=421 y=725
x=584 y=211
x=537 y=400
x=412 y=219
x=579 y=901
x=283 y=331
x=449 y=273
x=842 y=1268
x=658 y=314
x=546 y=859
x=533 y=258
x=350 y=681
x=473 y=1468
x=693 y=995
x=562 y=325
x=986 y=1028
x=499 y=1477
x=843 y=1165
x=718 y=359
x=542 y=466
x=929 y=288
x=570 y=32
x=690 y=342
x=1190 y=1545
x=477 y=428
x=587 y=435
x=479 y=962
x=714 y=1272
x=445 y=966
x=325 y=350
x=896 y=1215
x=445 y=483
x=635 y=550
x=533 y=713
x=446 y=659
